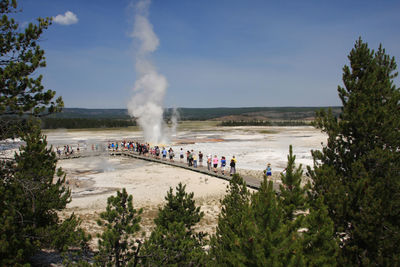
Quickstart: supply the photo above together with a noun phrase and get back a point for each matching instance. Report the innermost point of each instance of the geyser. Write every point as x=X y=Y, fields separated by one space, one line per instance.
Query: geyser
x=150 y=87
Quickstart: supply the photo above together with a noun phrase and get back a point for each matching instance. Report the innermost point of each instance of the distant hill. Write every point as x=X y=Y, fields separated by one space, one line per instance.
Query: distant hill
x=86 y=113
x=253 y=113
x=221 y=114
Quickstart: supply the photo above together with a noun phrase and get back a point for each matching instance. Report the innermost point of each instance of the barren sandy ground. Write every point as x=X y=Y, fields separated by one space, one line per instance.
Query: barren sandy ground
x=93 y=180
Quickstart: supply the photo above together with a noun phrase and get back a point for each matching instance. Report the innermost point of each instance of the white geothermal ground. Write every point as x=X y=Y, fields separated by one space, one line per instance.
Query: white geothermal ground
x=94 y=179
x=253 y=147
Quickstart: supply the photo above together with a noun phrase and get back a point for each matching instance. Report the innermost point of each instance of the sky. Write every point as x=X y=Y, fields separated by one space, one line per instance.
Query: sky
x=213 y=53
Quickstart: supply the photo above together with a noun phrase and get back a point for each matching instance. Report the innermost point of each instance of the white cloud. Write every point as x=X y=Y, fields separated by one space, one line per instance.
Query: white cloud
x=67 y=19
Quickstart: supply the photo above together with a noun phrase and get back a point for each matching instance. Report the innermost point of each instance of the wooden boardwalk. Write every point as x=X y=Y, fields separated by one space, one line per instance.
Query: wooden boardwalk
x=251 y=182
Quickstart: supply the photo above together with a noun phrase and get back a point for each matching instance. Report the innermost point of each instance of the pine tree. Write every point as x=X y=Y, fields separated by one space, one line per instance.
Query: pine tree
x=20 y=57
x=270 y=229
x=173 y=246
x=40 y=198
x=234 y=242
x=317 y=240
x=274 y=234
x=179 y=207
x=121 y=221
x=31 y=198
x=13 y=247
x=21 y=91
x=301 y=238
x=292 y=194
x=357 y=171
x=311 y=239
x=174 y=242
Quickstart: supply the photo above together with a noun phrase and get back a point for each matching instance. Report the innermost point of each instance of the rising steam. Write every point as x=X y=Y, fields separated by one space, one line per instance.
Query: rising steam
x=150 y=87
x=174 y=122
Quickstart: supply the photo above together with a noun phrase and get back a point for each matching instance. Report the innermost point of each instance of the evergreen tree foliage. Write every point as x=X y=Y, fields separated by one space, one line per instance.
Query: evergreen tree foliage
x=31 y=190
x=121 y=221
x=286 y=234
x=357 y=172
x=20 y=57
x=252 y=230
x=269 y=229
x=12 y=244
x=310 y=234
x=173 y=246
x=292 y=199
x=234 y=242
x=317 y=240
x=179 y=207
x=293 y=195
x=174 y=242
x=40 y=198
x=31 y=198
x=274 y=234
x=21 y=90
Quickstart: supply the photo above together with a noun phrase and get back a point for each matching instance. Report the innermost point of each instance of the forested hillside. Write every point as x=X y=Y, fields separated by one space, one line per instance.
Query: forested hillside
x=274 y=113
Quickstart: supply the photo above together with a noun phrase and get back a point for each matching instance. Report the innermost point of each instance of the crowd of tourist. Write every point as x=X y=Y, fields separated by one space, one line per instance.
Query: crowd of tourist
x=193 y=159
x=196 y=160
x=66 y=150
x=69 y=150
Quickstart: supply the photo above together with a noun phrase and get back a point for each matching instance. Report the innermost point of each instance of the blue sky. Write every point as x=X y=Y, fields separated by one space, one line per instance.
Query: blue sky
x=214 y=53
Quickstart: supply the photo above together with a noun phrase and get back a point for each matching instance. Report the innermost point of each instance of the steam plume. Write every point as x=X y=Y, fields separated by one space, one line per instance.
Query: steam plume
x=150 y=87
x=174 y=120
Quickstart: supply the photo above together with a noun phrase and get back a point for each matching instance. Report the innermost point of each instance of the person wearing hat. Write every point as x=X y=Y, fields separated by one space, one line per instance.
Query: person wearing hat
x=233 y=166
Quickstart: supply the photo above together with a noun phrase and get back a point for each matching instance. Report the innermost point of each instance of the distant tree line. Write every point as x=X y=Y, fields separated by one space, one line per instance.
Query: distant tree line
x=277 y=113
x=76 y=123
x=121 y=114
x=263 y=123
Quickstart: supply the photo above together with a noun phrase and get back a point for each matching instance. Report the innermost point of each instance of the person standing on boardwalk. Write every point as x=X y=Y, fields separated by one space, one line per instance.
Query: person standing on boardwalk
x=215 y=163
x=209 y=162
x=187 y=157
x=171 y=154
x=268 y=171
x=201 y=159
x=233 y=166
x=194 y=160
x=191 y=157
x=181 y=154
x=223 y=164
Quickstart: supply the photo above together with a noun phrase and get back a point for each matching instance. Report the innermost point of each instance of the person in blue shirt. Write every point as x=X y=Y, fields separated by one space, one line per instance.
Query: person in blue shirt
x=269 y=170
x=164 y=153
x=223 y=164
